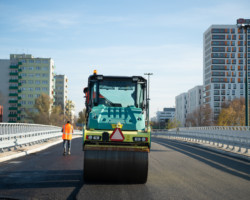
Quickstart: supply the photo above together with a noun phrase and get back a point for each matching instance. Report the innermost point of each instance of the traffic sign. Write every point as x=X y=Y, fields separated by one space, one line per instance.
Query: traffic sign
x=117 y=135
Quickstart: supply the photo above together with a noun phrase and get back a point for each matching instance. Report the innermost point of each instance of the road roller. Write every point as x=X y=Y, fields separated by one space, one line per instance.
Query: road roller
x=116 y=136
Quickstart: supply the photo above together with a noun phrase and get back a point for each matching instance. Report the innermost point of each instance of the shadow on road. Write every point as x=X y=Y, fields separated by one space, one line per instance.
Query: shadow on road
x=41 y=179
x=236 y=167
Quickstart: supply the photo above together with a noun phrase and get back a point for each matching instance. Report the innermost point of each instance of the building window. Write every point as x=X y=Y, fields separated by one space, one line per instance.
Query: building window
x=217 y=37
x=37 y=89
x=216 y=98
x=45 y=75
x=216 y=92
x=220 y=30
x=216 y=49
x=216 y=86
x=218 y=61
x=30 y=103
x=30 y=75
x=219 y=43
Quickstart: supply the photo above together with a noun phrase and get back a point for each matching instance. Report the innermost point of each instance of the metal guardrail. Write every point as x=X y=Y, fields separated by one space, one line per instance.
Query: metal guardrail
x=227 y=137
x=18 y=134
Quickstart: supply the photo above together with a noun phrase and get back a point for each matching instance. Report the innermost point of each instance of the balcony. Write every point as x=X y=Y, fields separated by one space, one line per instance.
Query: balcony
x=13 y=66
x=12 y=115
x=20 y=70
x=12 y=101
x=13 y=87
x=19 y=84
x=13 y=95
x=19 y=98
x=19 y=77
x=19 y=91
x=19 y=105
x=12 y=108
x=13 y=81
x=18 y=118
x=19 y=111
x=13 y=73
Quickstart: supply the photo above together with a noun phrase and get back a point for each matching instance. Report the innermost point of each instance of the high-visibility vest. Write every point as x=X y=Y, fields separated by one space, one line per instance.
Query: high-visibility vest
x=67 y=132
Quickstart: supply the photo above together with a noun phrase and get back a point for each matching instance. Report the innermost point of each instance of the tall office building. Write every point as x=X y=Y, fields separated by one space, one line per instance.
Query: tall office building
x=224 y=65
x=61 y=91
x=30 y=77
x=5 y=84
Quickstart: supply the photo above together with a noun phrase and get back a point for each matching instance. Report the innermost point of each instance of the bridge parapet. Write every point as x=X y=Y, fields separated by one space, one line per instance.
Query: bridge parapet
x=227 y=137
x=18 y=134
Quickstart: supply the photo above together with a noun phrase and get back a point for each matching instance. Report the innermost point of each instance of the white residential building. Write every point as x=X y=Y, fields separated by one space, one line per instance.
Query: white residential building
x=194 y=98
x=181 y=108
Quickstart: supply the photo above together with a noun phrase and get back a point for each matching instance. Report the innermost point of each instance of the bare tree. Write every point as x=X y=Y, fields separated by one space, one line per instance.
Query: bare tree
x=202 y=116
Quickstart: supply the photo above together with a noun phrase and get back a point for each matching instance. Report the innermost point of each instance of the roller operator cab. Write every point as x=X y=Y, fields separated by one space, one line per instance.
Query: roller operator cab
x=116 y=137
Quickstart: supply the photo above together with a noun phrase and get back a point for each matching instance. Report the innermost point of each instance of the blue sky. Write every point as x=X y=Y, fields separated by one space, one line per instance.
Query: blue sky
x=118 y=37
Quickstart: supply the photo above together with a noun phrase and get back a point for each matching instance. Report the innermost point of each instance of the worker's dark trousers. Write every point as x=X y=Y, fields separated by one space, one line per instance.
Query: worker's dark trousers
x=65 y=145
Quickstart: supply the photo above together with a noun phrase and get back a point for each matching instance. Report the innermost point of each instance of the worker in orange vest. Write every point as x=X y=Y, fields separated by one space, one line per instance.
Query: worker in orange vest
x=67 y=131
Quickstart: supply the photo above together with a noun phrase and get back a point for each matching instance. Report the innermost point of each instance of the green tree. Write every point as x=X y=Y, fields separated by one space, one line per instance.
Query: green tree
x=174 y=123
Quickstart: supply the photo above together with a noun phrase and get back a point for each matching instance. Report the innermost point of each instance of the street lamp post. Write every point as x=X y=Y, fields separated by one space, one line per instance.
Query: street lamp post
x=245 y=24
x=148 y=74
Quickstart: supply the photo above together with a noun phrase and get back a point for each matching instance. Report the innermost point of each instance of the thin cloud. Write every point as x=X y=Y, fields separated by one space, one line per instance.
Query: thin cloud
x=47 y=21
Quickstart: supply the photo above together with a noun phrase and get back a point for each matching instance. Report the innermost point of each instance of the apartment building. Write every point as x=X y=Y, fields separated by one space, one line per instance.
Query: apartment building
x=194 y=98
x=224 y=65
x=181 y=108
x=61 y=90
x=29 y=78
x=5 y=84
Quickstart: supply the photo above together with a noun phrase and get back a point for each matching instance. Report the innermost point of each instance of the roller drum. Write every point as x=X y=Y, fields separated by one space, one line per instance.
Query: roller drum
x=115 y=166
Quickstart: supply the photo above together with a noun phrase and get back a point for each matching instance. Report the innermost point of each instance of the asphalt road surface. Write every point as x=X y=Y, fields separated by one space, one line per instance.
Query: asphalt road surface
x=176 y=171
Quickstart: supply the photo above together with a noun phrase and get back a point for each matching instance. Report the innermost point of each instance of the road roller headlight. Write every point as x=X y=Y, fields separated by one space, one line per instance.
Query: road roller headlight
x=140 y=139
x=93 y=137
